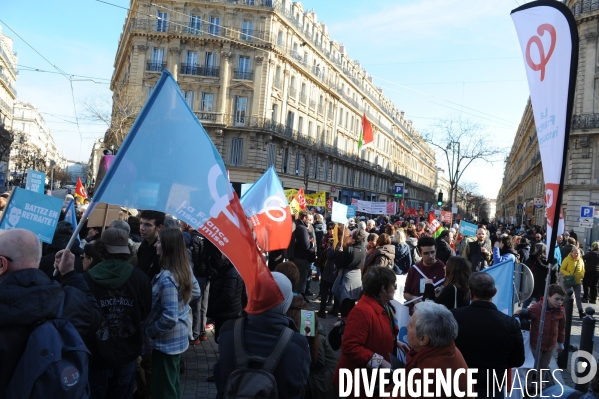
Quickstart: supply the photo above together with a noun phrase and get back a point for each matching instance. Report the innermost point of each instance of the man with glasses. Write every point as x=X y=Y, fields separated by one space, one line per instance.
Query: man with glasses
x=429 y=268
x=28 y=297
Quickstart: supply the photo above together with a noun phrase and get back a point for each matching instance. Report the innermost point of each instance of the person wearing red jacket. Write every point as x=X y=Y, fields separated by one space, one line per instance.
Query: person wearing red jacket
x=428 y=270
x=554 y=330
x=370 y=332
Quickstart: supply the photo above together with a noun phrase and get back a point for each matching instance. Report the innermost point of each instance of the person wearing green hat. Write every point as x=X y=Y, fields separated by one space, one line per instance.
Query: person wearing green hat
x=124 y=294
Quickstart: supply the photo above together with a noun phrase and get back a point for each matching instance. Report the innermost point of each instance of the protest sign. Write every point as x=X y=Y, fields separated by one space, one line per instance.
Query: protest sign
x=351 y=211
x=32 y=211
x=468 y=229
x=446 y=216
x=103 y=214
x=378 y=208
x=316 y=199
x=391 y=208
x=35 y=181
x=339 y=213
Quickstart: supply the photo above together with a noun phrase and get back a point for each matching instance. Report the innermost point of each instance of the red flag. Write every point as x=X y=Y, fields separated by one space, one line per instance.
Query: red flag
x=79 y=189
x=421 y=211
x=266 y=207
x=435 y=226
x=402 y=206
x=301 y=199
x=366 y=136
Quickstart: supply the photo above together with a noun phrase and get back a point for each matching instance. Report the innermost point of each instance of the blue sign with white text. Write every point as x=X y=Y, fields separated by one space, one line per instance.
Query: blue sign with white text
x=587 y=211
x=35 y=181
x=468 y=229
x=351 y=211
x=32 y=211
x=398 y=189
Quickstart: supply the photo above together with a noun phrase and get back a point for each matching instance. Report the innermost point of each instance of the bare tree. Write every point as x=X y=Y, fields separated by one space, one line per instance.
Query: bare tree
x=6 y=140
x=118 y=112
x=25 y=155
x=62 y=175
x=461 y=143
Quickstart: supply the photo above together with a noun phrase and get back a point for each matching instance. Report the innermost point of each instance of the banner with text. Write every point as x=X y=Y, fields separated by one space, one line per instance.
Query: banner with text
x=548 y=38
x=35 y=181
x=316 y=199
x=375 y=208
x=446 y=216
x=32 y=211
x=339 y=213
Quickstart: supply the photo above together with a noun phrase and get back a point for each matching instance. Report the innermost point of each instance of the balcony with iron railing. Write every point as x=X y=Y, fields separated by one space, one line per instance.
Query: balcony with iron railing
x=8 y=84
x=187 y=69
x=7 y=108
x=206 y=116
x=585 y=121
x=321 y=109
x=312 y=104
x=584 y=6
x=330 y=114
x=243 y=74
x=303 y=98
x=8 y=60
x=153 y=66
x=292 y=92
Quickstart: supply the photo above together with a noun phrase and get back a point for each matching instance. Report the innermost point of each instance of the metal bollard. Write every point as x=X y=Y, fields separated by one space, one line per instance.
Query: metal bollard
x=562 y=358
x=587 y=332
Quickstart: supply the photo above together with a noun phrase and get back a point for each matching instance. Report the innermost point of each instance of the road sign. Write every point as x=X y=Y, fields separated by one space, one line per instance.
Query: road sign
x=585 y=220
x=586 y=225
x=398 y=190
x=587 y=211
x=333 y=189
x=520 y=206
x=538 y=202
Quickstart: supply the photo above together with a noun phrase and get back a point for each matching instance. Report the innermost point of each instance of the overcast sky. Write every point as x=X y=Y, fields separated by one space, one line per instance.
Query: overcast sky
x=435 y=59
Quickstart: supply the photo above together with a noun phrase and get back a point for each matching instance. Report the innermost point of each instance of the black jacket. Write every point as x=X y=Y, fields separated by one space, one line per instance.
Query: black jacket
x=124 y=306
x=489 y=340
x=351 y=258
x=591 y=261
x=227 y=293
x=28 y=296
x=198 y=254
x=450 y=296
x=523 y=251
x=444 y=251
x=260 y=334
x=58 y=243
x=302 y=241
x=147 y=259
x=320 y=230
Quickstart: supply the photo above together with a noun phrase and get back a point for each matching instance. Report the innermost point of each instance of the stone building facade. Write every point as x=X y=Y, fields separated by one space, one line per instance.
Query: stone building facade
x=8 y=79
x=271 y=87
x=523 y=176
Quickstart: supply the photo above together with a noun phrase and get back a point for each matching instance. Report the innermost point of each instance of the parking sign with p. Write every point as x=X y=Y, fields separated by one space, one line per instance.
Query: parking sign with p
x=587 y=211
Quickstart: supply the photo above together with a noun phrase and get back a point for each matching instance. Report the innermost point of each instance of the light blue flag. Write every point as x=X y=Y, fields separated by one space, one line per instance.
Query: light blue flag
x=503 y=274
x=70 y=214
x=168 y=163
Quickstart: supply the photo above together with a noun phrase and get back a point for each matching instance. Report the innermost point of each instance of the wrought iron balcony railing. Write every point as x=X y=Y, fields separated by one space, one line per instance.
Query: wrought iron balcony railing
x=242 y=74
x=206 y=116
x=156 y=66
x=585 y=121
x=584 y=6
x=187 y=69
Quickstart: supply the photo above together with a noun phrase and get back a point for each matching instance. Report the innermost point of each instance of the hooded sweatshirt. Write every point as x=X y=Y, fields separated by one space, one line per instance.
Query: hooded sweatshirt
x=124 y=294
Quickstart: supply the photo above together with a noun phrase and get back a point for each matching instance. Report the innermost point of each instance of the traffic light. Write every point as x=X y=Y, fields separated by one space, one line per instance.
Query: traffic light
x=440 y=199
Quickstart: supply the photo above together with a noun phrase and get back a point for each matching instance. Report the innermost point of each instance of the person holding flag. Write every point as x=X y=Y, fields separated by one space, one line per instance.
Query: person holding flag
x=80 y=190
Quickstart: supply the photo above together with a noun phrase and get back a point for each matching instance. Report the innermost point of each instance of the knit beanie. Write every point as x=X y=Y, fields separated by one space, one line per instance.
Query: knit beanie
x=286 y=288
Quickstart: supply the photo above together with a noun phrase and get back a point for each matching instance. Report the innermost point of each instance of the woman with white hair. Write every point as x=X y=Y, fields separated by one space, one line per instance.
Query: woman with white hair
x=431 y=333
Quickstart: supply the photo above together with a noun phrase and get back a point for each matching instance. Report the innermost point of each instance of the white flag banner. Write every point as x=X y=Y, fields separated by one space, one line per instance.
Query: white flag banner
x=549 y=42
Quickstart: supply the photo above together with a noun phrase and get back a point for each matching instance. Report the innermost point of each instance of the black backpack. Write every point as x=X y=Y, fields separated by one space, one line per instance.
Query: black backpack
x=248 y=381
x=54 y=364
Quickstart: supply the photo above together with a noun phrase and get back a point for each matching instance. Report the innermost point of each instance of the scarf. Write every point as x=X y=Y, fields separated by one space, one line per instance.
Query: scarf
x=389 y=310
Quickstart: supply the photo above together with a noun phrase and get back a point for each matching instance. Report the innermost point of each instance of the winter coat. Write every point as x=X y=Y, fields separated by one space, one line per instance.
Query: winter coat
x=523 y=251
x=591 y=261
x=474 y=257
x=27 y=297
x=443 y=358
x=320 y=229
x=119 y=338
x=538 y=266
x=554 y=329
x=382 y=256
x=498 y=258
x=414 y=284
x=403 y=257
x=566 y=250
x=413 y=244
x=489 y=340
x=260 y=335
x=59 y=243
x=302 y=241
x=444 y=250
x=368 y=331
x=573 y=267
x=226 y=294
x=147 y=259
x=351 y=258
x=198 y=256
x=450 y=296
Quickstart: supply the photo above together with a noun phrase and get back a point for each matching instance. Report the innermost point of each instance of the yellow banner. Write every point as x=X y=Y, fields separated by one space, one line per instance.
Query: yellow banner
x=290 y=194
x=317 y=199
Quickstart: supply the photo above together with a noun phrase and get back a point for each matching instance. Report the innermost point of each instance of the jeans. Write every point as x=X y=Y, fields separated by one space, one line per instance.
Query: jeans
x=116 y=383
x=303 y=267
x=325 y=291
x=199 y=307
